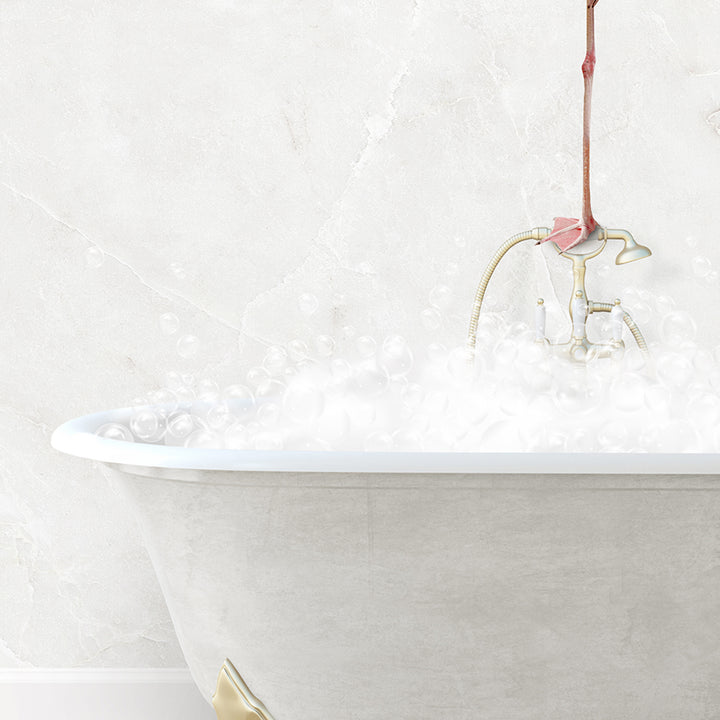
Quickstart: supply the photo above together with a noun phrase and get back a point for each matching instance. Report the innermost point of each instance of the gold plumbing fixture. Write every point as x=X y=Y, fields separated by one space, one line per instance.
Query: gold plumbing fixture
x=578 y=347
x=233 y=700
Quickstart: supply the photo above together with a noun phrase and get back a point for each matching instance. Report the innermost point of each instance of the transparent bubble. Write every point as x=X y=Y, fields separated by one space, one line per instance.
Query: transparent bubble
x=436 y=352
x=304 y=402
x=236 y=437
x=268 y=441
x=431 y=318
x=203 y=439
x=178 y=270
x=334 y=424
x=370 y=378
x=705 y=410
x=657 y=399
x=628 y=392
x=407 y=440
x=308 y=304
x=642 y=313
x=268 y=414
x=324 y=345
x=613 y=436
x=674 y=370
x=270 y=391
x=165 y=401
x=94 y=257
x=664 y=305
x=701 y=266
x=461 y=365
x=297 y=350
x=348 y=332
x=219 y=417
x=452 y=269
x=366 y=346
x=179 y=426
x=275 y=360
x=173 y=380
x=257 y=376
x=360 y=412
x=115 y=431
x=460 y=242
x=441 y=297
x=691 y=241
x=395 y=355
x=184 y=395
x=208 y=390
x=678 y=327
x=340 y=370
x=145 y=424
x=378 y=442
x=188 y=346
x=169 y=323
x=414 y=395
x=505 y=353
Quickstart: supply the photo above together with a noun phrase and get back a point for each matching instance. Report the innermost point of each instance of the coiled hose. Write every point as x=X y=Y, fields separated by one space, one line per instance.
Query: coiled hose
x=634 y=329
x=538 y=233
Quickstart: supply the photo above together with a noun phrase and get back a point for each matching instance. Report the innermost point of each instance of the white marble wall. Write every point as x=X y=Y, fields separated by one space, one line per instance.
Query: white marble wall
x=228 y=156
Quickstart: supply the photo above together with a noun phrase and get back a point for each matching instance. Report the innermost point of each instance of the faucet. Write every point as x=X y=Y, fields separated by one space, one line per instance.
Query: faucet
x=578 y=348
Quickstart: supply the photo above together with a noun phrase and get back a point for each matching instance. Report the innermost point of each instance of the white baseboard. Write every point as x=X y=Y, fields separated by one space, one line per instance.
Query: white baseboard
x=101 y=693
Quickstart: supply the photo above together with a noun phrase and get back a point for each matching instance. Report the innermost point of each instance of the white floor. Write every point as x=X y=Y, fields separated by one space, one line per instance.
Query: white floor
x=110 y=694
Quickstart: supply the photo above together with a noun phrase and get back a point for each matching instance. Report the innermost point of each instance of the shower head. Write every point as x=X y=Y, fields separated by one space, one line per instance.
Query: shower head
x=631 y=251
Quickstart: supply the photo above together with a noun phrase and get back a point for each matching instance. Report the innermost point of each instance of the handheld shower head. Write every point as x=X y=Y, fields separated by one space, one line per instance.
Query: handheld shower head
x=632 y=250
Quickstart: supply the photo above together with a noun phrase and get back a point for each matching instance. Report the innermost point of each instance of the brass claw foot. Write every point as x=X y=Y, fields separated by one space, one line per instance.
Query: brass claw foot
x=233 y=700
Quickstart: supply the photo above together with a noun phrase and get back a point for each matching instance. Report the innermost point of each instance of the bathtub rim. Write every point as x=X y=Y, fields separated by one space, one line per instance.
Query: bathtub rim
x=77 y=437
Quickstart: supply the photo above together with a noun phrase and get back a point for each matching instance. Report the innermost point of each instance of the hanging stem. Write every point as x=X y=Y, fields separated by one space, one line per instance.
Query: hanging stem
x=588 y=70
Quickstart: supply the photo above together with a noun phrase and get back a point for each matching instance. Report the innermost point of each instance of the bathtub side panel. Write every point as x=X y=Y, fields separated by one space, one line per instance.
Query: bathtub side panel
x=364 y=601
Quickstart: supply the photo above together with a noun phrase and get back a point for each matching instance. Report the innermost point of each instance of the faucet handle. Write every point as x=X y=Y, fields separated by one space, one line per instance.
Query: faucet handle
x=617 y=319
x=540 y=318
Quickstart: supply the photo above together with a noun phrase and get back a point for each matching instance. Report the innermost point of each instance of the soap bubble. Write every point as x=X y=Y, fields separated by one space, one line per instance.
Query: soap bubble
x=268 y=441
x=115 y=431
x=297 y=350
x=324 y=345
x=203 y=439
x=705 y=410
x=308 y=304
x=366 y=346
x=219 y=417
x=145 y=424
x=657 y=399
x=431 y=318
x=275 y=360
x=236 y=437
x=395 y=355
x=340 y=371
x=164 y=401
x=701 y=266
x=208 y=391
x=461 y=365
x=628 y=392
x=674 y=369
x=240 y=400
x=378 y=442
x=334 y=424
x=678 y=327
x=188 y=346
x=94 y=257
x=169 y=323
x=178 y=270
x=268 y=414
x=370 y=378
x=257 y=376
x=436 y=352
x=270 y=391
x=303 y=402
x=441 y=297
x=179 y=426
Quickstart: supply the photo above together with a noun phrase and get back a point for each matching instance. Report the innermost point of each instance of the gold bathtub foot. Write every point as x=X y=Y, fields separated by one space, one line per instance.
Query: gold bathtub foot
x=233 y=700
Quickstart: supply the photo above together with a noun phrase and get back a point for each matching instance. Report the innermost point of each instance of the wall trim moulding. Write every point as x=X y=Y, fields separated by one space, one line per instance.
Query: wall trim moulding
x=109 y=693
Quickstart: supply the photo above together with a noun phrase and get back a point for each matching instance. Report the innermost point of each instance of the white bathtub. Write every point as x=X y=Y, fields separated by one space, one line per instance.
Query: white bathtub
x=415 y=586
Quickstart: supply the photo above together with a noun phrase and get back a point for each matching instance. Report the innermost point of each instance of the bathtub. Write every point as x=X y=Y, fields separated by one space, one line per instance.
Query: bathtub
x=417 y=586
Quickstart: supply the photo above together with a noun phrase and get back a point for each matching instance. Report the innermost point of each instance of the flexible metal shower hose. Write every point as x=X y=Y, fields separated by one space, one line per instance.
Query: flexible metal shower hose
x=537 y=234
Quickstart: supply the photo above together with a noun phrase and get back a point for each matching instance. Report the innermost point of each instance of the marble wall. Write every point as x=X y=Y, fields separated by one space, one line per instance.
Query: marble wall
x=217 y=159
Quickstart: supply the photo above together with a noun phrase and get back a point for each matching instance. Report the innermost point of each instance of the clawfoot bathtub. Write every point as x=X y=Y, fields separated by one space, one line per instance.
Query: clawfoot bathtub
x=414 y=586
